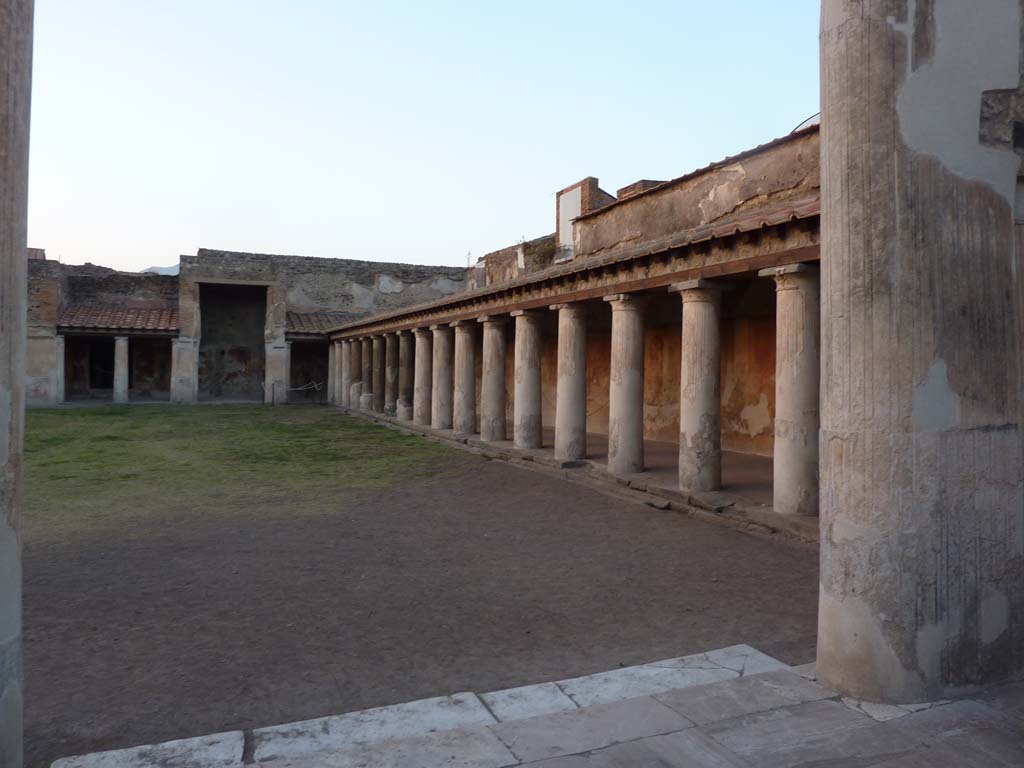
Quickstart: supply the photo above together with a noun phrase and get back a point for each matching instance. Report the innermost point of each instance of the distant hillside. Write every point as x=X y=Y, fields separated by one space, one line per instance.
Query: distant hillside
x=162 y=270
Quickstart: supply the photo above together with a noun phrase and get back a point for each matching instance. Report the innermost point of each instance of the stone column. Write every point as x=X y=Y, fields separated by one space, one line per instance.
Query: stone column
x=492 y=384
x=922 y=512
x=15 y=87
x=59 y=374
x=332 y=378
x=441 y=402
x=345 y=389
x=571 y=394
x=378 y=374
x=464 y=404
x=355 y=347
x=423 y=386
x=391 y=374
x=366 y=398
x=406 y=366
x=797 y=369
x=336 y=366
x=120 y=369
x=526 y=405
x=700 y=378
x=626 y=385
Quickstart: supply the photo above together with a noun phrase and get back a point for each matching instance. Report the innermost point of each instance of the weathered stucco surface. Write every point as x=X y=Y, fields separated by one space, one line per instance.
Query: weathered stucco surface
x=922 y=499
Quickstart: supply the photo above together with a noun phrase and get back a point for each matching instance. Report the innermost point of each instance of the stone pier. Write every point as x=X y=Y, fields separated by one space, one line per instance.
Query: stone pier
x=797 y=369
x=345 y=376
x=332 y=372
x=423 y=388
x=571 y=386
x=492 y=382
x=356 y=388
x=441 y=390
x=378 y=374
x=60 y=375
x=406 y=367
x=700 y=402
x=922 y=513
x=120 y=369
x=526 y=405
x=391 y=374
x=464 y=403
x=626 y=385
x=15 y=88
x=366 y=398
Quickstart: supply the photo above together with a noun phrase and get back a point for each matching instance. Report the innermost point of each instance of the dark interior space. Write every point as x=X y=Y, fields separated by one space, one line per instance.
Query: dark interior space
x=309 y=362
x=149 y=368
x=232 y=358
x=89 y=366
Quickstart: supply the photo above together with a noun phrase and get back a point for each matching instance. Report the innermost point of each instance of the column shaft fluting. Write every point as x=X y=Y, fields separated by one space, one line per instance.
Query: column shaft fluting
x=700 y=400
x=378 y=374
x=526 y=402
x=797 y=372
x=366 y=398
x=345 y=387
x=390 y=374
x=424 y=374
x=406 y=366
x=441 y=400
x=571 y=394
x=626 y=386
x=464 y=403
x=121 y=369
x=492 y=383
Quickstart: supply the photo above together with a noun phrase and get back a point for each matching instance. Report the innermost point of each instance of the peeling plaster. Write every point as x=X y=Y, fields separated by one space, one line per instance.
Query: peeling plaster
x=936 y=406
x=757 y=416
x=939 y=103
x=388 y=284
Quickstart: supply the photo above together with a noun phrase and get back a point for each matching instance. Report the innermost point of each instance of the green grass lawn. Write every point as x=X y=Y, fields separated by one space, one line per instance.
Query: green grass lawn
x=93 y=468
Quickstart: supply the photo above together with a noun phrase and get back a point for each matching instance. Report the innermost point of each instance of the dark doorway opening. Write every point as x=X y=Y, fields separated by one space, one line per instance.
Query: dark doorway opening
x=232 y=356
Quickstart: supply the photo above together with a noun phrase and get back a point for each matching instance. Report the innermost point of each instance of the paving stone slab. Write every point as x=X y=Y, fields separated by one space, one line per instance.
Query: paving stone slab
x=744 y=659
x=810 y=671
x=213 y=751
x=1008 y=699
x=527 y=701
x=371 y=726
x=977 y=732
x=818 y=732
x=644 y=680
x=707 y=704
x=684 y=749
x=568 y=733
x=462 y=748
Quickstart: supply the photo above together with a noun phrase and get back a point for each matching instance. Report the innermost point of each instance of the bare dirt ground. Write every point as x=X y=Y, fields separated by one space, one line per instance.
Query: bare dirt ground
x=181 y=609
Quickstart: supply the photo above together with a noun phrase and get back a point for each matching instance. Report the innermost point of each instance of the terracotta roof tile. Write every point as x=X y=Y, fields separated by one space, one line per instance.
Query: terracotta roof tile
x=315 y=322
x=135 y=319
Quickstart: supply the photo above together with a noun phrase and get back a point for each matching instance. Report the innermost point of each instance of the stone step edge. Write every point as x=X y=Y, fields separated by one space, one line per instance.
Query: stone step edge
x=232 y=749
x=714 y=507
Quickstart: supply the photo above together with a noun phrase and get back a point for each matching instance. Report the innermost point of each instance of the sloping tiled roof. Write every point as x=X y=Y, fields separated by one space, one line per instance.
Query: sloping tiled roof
x=315 y=322
x=135 y=319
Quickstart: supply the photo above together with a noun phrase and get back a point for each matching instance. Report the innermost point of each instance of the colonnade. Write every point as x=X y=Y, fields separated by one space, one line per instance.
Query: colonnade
x=428 y=376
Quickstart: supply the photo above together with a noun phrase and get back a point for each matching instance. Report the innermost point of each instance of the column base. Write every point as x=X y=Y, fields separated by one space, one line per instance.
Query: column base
x=366 y=402
x=404 y=412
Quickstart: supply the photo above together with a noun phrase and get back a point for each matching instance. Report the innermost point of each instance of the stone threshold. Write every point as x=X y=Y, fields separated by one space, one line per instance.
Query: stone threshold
x=716 y=507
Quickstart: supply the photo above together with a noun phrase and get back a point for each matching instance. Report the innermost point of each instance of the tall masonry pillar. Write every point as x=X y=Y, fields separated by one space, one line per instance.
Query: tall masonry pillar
x=441 y=400
x=797 y=369
x=626 y=385
x=390 y=374
x=571 y=388
x=464 y=404
x=406 y=365
x=332 y=371
x=355 y=347
x=700 y=400
x=922 y=513
x=378 y=374
x=422 y=401
x=120 y=369
x=366 y=397
x=492 y=380
x=526 y=405
x=345 y=376
x=15 y=88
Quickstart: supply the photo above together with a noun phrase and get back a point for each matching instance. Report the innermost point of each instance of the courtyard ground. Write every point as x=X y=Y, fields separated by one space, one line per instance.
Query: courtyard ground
x=192 y=570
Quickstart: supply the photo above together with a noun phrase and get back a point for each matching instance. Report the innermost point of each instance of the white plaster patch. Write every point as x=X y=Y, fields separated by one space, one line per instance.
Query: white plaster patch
x=389 y=284
x=446 y=285
x=756 y=416
x=371 y=726
x=994 y=615
x=880 y=712
x=939 y=104
x=219 y=749
x=363 y=297
x=936 y=407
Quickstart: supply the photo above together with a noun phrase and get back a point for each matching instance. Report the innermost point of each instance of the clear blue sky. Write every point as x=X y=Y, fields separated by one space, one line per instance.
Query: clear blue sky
x=405 y=131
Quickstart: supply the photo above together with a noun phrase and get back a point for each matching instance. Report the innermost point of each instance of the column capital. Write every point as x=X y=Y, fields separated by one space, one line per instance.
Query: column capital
x=789 y=276
x=464 y=324
x=421 y=331
x=700 y=284
x=497 y=319
x=440 y=327
x=525 y=313
x=626 y=301
x=121 y=337
x=570 y=305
